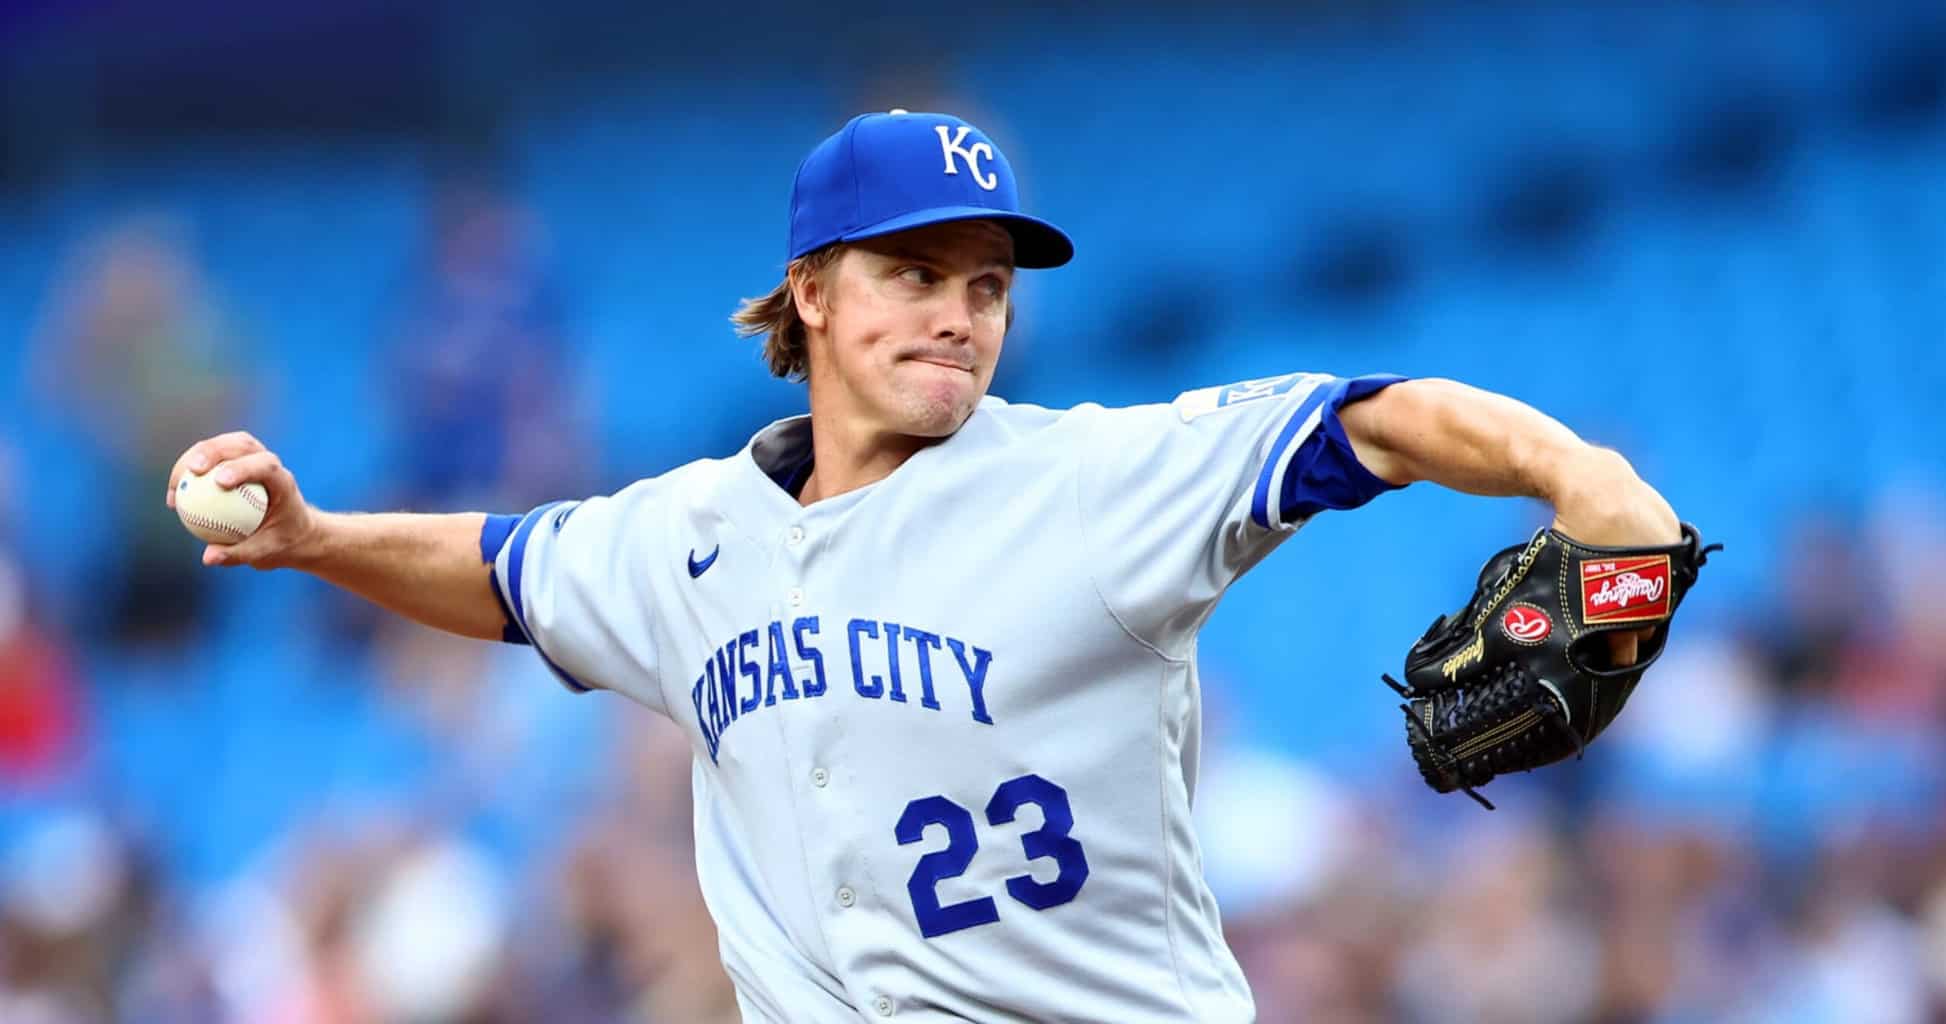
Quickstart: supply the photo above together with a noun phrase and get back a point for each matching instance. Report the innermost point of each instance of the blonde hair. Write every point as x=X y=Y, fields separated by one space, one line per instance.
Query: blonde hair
x=774 y=317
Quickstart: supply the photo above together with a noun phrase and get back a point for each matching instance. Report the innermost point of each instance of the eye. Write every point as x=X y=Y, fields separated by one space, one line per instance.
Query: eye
x=918 y=275
x=992 y=285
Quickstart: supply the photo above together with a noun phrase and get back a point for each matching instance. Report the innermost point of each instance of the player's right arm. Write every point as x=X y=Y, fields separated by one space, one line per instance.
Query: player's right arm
x=428 y=568
x=583 y=594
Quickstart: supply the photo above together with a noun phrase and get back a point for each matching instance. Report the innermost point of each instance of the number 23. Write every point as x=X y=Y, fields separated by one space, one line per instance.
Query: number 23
x=1050 y=840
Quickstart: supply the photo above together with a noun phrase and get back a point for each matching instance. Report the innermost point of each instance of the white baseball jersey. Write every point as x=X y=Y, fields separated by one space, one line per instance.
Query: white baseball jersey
x=945 y=726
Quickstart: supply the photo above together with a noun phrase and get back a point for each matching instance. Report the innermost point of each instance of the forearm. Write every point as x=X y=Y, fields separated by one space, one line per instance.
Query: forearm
x=424 y=567
x=1482 y=443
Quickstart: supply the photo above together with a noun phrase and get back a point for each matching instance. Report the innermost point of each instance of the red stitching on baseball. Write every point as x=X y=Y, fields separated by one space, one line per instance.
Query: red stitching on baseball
x=211 y=524
x=250 y=497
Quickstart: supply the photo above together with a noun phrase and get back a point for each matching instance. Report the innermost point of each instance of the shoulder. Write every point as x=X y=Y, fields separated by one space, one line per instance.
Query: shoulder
x=1199 y=402
x=1090 y=425
x=690 y=476
x=645 y=498
x=1186 y=407
x=1017 y=419
x=1040 y=435
x=1009 y=422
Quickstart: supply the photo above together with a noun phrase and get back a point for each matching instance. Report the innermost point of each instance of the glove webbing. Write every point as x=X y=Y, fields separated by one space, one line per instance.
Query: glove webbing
x=1491 y=750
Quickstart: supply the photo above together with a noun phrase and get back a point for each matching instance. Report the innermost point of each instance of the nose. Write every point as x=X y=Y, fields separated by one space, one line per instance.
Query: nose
x=953 y=317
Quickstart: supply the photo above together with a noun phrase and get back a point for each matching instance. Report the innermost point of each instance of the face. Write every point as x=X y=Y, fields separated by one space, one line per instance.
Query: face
x=904 y=330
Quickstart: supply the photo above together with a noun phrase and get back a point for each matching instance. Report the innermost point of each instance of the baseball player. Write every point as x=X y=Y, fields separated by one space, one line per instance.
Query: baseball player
x=935 y=653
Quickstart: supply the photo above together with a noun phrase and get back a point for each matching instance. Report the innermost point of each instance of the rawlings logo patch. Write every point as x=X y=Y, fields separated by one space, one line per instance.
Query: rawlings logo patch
x=1526 y=624
x=1625 y=590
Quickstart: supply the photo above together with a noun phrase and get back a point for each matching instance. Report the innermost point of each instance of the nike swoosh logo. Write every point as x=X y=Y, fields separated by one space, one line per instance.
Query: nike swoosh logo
x=698 y=568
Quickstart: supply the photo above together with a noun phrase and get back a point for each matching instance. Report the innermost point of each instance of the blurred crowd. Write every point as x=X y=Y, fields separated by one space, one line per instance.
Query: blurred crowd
x=384 y=912
x=377 y=915
x=1761 y=838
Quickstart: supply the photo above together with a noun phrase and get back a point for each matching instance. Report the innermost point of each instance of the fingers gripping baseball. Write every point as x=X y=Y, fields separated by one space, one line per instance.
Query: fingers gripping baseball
x=232 y=461
x=205 y=454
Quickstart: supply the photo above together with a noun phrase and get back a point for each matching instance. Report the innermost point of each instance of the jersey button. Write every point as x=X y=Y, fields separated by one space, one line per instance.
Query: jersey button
x=795 y=597
x=819 y=777
x=797 y=535
x=883 y=1005
x=846 y=897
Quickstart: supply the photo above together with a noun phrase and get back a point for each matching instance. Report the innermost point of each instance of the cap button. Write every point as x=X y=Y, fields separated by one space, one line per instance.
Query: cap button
x=898 y=110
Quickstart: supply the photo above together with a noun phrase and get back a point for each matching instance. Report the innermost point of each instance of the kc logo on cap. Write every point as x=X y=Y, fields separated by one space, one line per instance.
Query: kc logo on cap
x=882 y=173
x=952 y=147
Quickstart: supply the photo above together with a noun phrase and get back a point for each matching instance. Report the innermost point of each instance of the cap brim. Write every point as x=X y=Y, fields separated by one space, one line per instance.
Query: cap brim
x=1038 y=245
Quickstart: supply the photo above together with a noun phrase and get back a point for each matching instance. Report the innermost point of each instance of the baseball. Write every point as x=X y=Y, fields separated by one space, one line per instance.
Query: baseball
x=216 y=515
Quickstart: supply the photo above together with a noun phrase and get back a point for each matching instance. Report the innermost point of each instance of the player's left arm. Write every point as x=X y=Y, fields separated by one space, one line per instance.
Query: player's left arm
x=1483 y=443
x=1479 y=442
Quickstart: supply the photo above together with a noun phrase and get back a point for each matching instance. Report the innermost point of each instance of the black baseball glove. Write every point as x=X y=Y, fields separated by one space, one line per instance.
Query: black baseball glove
x=1521 y=677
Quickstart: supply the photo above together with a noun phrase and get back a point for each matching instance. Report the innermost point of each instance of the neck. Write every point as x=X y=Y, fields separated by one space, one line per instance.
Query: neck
x=848 y=455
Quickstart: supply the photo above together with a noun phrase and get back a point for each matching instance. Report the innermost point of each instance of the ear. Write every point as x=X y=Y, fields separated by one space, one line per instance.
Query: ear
x=809 y=294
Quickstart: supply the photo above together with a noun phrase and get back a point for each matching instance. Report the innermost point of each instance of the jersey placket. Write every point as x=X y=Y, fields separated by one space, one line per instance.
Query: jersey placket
x=829 y=805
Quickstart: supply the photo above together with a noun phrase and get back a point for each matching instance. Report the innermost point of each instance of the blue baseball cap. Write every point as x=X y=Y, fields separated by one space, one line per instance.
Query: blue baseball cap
x=889 y=172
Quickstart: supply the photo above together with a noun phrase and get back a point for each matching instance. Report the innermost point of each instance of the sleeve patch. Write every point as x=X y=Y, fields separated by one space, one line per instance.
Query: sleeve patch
x=1193 y=404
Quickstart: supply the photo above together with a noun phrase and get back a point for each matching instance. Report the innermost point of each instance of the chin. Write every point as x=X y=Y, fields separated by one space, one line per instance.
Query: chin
x=938 y=405
x=935 y=418
x=937 y=413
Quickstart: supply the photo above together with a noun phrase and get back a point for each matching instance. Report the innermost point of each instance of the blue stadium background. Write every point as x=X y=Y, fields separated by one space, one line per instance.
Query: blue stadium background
x=1713 y=236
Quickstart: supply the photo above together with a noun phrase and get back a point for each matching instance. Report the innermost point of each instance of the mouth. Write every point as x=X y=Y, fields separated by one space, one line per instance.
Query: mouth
x=943 y=361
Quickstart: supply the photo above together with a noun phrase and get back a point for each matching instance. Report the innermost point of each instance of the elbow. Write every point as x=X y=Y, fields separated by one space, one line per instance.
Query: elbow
x=1380 y=431
x=1388 y=428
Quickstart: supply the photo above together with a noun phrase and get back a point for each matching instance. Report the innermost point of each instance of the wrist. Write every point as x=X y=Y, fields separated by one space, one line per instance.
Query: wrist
x=1598 y=499
x=312 y=547
x=1584 y=477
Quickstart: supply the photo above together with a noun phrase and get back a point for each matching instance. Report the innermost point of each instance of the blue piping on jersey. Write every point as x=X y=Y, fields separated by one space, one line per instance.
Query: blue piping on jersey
x=509 y=633
x=1345 y=483
x=1326 y=474
x=1260 y=503
x=516 y=559
x=493 y=536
